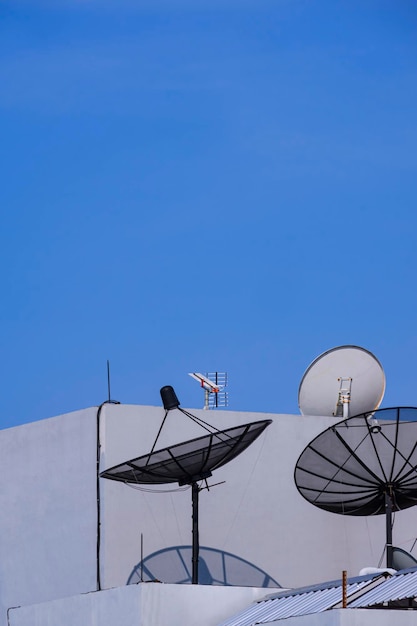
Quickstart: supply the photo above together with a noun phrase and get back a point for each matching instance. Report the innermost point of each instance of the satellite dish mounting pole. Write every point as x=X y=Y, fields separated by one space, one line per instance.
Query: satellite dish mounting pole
x=388 y=514
x=196 y=545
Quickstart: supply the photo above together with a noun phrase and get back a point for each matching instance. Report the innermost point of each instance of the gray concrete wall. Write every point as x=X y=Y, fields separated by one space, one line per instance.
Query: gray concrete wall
x=47 y=510
x=256 y=514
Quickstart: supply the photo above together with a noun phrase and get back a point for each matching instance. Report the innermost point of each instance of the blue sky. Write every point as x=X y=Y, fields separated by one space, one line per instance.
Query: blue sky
x=201 y=185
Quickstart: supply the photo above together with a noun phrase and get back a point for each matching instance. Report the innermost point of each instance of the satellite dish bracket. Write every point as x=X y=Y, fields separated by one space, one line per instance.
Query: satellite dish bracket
x=343 y=401
x=195 y=479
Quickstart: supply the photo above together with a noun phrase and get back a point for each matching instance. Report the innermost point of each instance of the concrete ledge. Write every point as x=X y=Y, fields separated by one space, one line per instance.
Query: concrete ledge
x=145 y=604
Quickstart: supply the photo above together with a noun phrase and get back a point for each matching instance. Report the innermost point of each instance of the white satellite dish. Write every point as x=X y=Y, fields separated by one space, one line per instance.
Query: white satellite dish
x=342 y=382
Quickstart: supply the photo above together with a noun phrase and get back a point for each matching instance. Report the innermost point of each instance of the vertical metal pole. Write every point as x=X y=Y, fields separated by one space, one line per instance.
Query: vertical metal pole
x=196 y=545
x=344 y=589
x=108 y=380
x=388 y=519
x=141 y=557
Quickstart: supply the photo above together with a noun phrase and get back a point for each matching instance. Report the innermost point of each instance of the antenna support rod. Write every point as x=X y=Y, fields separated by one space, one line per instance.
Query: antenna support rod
x=196 y=544
x=108 y=380
x=141 y=557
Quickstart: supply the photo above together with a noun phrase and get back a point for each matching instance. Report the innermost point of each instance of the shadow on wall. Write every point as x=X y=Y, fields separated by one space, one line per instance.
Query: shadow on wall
x=216 y=567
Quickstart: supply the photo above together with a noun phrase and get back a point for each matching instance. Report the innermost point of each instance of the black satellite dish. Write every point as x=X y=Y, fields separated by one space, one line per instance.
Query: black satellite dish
x=364 y=465
x=189 y=462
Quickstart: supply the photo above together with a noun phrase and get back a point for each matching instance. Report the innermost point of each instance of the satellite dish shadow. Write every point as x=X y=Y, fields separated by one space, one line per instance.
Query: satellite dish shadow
x=401 y=559
x=216 y=567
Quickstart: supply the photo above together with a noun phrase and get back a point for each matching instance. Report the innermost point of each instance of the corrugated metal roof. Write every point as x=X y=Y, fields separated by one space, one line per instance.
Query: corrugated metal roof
x=297 y=602
x=402 y=585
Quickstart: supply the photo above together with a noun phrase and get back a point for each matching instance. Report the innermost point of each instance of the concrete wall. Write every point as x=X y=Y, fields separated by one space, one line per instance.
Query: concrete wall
x=147 y=604
x=47 y=510
x=256 y=514
x=48 y=506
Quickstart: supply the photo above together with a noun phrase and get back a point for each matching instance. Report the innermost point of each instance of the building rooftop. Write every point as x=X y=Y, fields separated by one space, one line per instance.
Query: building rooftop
x=364 y=591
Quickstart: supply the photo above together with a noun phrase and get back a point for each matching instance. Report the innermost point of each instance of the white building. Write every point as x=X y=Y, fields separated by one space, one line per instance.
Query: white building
x=65 y=532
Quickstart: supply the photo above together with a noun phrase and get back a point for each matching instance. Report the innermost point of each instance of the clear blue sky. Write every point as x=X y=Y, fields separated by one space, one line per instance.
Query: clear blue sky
x=191 y=185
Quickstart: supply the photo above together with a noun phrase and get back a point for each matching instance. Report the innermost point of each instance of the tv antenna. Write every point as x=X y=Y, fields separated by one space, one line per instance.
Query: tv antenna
x=188 y=463
x=364 y=465
x=342 y=382
x=109 y=399
x=213 y=384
